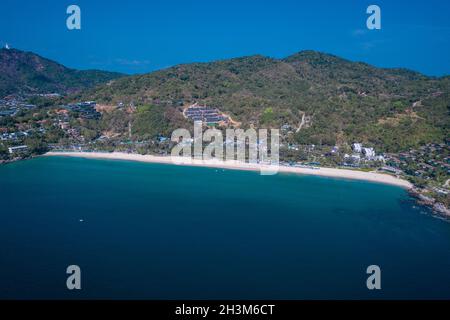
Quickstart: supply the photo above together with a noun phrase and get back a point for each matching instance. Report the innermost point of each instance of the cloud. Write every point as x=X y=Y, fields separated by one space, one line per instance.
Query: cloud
x=359 y=32
x=369 y=45
x=132 y=62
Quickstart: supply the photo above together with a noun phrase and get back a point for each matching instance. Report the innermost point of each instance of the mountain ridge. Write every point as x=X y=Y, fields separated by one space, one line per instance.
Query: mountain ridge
x=27 y=72
x=391 y=108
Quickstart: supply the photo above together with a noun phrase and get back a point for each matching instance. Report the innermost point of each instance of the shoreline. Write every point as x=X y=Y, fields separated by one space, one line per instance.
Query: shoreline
x=234 y=165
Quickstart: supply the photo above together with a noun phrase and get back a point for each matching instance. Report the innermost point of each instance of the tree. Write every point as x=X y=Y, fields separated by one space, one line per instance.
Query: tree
x=36 y=146
x=150 y=121
x=3 y=152
x=268 y=116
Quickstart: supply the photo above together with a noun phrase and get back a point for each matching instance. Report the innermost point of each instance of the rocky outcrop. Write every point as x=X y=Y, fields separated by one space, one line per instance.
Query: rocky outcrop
x=427 y=201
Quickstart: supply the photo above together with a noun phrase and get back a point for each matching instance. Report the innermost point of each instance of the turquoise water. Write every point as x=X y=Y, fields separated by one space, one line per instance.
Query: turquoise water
x=167 y=232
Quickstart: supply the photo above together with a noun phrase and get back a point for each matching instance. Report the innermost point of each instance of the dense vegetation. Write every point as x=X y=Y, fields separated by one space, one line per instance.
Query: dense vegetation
x=26 y=72
x=392 y=109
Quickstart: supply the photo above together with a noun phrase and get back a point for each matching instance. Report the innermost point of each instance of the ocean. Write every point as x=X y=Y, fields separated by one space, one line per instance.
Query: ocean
x=154 y=231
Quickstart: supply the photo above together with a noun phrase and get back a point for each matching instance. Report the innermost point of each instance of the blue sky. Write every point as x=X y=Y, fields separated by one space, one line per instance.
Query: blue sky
x=138 y=36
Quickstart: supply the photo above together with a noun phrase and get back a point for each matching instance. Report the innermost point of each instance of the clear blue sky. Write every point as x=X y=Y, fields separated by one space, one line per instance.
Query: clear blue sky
x=138 y=36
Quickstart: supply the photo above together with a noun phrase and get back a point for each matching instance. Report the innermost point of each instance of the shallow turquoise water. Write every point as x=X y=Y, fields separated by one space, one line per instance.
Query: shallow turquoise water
x=161 y=231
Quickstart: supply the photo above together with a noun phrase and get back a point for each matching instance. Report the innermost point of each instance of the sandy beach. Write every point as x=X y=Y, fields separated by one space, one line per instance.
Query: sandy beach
x=326 y=172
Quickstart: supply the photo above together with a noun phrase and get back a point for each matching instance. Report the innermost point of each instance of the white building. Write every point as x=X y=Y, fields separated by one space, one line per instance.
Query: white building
x=16 y=149
x=355 y=158
x=391 y=170
x=369 y=152
x=357 y=147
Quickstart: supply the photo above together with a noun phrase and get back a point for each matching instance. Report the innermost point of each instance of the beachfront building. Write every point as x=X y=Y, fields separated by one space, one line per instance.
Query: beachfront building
x=369 y=153
x=17 y=149
x=357 y=147
x=352 y=160
x=390 y=169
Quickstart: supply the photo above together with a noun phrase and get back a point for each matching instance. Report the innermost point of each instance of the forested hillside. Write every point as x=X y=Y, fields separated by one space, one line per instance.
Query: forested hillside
x=339 y=101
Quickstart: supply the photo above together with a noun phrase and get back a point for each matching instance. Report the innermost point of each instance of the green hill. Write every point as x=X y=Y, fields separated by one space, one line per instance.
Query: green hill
x=26 y=72
x=342 y=101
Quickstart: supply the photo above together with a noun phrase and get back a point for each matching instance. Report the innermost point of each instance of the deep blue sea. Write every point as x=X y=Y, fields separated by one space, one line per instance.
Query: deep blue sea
x=151 y=231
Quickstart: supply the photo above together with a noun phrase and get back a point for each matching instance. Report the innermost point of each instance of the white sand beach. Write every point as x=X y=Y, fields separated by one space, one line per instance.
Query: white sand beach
x=326 y=172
